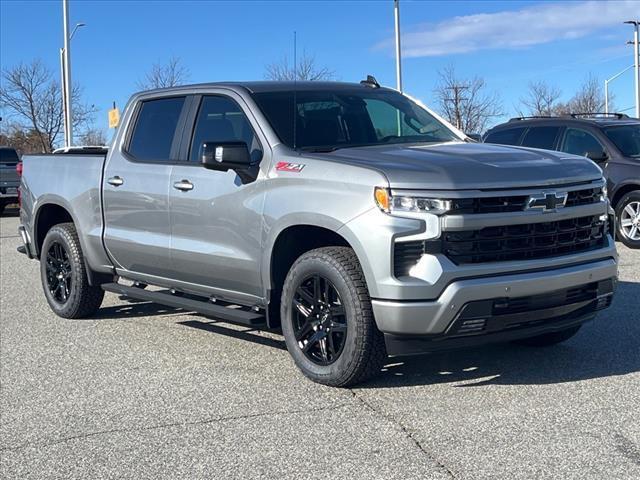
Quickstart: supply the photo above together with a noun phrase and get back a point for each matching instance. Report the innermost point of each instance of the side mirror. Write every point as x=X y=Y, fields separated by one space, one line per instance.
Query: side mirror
x=225 y=156
x=597 y=157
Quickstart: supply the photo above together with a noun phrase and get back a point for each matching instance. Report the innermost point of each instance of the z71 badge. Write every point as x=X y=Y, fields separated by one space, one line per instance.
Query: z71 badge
x=289 y=167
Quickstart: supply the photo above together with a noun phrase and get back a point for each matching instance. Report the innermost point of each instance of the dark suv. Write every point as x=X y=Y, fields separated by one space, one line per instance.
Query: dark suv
x=610 y=140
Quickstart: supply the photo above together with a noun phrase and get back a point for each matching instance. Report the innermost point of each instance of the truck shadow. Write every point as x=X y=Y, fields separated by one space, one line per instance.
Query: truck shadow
x=607 y=346
x=131 y=308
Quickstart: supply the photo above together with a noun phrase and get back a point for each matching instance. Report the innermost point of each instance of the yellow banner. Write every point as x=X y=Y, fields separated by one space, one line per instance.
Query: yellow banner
x=114 y=118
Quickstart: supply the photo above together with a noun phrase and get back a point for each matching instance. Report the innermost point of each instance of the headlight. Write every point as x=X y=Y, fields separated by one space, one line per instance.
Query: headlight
x=410 y=204
x=604 y=189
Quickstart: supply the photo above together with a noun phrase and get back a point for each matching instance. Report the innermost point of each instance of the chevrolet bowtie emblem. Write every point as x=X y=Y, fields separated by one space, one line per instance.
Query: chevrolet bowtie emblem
x=547 y=202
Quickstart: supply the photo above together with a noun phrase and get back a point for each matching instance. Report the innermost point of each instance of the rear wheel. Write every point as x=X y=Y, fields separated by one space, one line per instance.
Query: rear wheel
x=64 y=275
x=628 y=214
x=327 y=319
x=549 y=339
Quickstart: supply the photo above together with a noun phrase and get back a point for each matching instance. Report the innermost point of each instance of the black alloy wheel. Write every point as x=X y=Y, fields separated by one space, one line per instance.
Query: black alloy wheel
x=59 y=273
x=319 y=320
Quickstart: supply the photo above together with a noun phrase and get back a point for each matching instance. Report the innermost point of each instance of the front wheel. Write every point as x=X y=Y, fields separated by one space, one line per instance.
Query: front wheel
x=64 y=275
x=628 y=213
x=327 y=319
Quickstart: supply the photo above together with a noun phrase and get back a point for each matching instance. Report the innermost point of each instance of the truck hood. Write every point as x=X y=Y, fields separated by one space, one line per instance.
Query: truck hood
x=469 y=166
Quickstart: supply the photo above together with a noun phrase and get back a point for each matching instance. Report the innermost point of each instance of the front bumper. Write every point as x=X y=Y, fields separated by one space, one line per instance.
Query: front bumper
x=435 y=320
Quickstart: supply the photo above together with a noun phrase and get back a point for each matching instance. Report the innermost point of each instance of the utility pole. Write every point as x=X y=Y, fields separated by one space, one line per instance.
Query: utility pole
x=66 y=61
x=636 y=60
x=457 y=102
x=396 y=11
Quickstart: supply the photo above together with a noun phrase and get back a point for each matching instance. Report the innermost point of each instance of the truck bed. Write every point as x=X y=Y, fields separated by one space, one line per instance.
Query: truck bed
x=71 y=181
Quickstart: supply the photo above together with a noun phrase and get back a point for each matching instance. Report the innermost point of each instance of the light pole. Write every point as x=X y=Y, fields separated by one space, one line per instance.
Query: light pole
x=636 y=61
x=68 y=125
x=65 y=60
x=606 y=87
x=396 y=12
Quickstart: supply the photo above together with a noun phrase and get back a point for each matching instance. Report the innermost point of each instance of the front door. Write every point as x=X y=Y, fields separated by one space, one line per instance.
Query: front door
x=216 y=219
x=137 y=231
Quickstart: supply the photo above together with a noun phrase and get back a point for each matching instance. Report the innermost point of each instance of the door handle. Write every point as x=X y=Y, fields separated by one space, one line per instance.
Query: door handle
x=115 y=181
x=183 y=185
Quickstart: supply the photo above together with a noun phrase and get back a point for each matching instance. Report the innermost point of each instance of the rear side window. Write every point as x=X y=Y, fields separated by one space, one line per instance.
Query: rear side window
x=155 y=129
x=8 y=156
x=541 y=137
x=509 y=136
x=579 y=142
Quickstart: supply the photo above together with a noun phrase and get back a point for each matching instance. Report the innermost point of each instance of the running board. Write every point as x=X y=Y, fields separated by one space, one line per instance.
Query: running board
x=218 y=312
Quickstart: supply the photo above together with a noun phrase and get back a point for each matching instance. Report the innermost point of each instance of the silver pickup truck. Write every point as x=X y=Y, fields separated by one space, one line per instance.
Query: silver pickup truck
x=347 y=215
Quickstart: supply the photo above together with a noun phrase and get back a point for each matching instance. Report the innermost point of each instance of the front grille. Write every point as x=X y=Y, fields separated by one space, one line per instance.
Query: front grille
x=489 y=204
x=584 y=197
x=518 y=203
x=524 y=242
x=506 y=243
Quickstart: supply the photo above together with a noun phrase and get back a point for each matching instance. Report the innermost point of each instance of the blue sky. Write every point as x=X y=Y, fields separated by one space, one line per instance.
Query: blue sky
x=508 y=43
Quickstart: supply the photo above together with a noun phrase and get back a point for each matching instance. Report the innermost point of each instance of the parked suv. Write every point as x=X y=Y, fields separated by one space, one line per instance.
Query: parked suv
x=610 y=140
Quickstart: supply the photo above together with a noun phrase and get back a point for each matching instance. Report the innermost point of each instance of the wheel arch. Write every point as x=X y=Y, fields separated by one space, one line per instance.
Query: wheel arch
x=49 y=214
x=53 y=212
x=622 y=190
x=283 y=248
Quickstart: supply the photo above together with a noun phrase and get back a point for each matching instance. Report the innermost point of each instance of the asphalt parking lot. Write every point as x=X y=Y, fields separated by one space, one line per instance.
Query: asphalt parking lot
x=145 y=391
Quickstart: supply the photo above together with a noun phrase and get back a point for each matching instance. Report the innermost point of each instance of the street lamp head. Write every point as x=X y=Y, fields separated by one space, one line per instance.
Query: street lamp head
x=78 y=25
x=633 y=22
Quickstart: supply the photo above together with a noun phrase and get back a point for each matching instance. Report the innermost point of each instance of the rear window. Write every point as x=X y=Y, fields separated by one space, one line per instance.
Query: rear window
x=510 y=136
x=626 y=138
x=155 y=129
x=541 y=137
x=8 y=156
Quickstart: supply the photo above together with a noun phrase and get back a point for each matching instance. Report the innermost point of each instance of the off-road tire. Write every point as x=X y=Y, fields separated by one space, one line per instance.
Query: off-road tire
x=83 y=299
x=549 y=339
x=364 y=353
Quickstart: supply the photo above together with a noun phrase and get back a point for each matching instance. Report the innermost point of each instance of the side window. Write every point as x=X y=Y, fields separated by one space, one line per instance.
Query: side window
x=580 y=142
x=541 y=137
x=220 y=119
x=509 y=136
x=155 y=129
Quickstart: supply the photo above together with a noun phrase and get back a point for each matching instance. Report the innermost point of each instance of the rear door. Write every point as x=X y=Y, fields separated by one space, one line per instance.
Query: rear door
x=137 y=231
x=216 y=219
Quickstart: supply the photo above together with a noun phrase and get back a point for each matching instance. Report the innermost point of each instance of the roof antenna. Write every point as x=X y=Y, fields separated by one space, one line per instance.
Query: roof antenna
x=295 y=90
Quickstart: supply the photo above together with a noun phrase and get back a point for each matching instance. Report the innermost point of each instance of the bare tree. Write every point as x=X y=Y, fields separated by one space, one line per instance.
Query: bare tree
x=542 y=100
x=590 y=97
x=171 y=74
x=465 y=102
x=93 y=137
x=306 y=69
x=33 y=100
x=24 y=141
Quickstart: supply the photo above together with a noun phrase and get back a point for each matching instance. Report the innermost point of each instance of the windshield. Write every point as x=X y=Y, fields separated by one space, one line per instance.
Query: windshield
x=626 y=138
x=328 y=120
